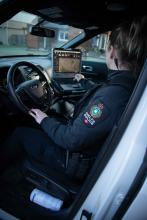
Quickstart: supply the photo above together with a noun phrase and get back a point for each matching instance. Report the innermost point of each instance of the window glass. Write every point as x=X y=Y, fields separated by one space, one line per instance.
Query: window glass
x=94 y=49
x=15 y=37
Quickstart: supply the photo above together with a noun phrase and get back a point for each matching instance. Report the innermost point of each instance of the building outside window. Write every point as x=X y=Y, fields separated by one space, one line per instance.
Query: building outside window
x=63 y=36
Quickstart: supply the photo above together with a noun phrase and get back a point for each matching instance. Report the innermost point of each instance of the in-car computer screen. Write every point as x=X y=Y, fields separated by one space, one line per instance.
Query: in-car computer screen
x=66 y=61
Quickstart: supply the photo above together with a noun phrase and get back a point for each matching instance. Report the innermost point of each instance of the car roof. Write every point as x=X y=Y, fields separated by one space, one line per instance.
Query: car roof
x=104 y=14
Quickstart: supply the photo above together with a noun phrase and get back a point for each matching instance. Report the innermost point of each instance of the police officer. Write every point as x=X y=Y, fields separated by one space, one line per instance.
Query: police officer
x=59 y=142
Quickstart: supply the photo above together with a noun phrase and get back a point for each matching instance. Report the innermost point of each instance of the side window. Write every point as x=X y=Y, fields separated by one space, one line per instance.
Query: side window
x=95 y=48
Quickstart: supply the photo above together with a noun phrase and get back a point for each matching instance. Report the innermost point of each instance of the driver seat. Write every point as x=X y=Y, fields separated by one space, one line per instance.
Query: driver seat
x=51 y=181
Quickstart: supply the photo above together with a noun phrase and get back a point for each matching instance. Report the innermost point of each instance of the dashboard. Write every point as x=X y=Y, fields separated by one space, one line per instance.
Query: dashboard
x=64 y=80
x=45 y=62
x=5 y=64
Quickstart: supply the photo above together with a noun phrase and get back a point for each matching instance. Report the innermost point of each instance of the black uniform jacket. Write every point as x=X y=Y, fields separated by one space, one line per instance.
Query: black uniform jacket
x=94 y=115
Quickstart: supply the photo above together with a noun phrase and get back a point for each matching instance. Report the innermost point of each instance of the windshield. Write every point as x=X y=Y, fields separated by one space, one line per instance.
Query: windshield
x=15 y=37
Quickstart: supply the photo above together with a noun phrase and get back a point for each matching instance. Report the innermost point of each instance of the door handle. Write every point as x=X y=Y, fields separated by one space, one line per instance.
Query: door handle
x=88 y=68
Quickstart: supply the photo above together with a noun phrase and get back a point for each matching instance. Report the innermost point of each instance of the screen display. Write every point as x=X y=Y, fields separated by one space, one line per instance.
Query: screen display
x=66 y=61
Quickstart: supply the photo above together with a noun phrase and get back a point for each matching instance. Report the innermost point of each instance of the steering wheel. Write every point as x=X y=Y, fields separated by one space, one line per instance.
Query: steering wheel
x=35 y=89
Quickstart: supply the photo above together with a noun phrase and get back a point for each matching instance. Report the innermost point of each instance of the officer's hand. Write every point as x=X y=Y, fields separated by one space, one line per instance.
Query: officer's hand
x=78 y=77
x=38 y=115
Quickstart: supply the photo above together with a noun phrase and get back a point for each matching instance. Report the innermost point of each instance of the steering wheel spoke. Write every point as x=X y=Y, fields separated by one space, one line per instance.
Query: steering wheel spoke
x=36 y=90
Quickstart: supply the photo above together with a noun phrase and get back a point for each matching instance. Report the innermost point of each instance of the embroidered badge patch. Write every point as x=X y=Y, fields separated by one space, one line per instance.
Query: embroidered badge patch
x=94 y=113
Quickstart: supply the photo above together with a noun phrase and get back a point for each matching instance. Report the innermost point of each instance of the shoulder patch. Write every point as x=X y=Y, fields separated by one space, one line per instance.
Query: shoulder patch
x=96 y=110
x=95 y=113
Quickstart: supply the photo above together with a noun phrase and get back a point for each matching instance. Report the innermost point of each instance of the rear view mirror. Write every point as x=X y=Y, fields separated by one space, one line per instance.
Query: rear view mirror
x=42 y=32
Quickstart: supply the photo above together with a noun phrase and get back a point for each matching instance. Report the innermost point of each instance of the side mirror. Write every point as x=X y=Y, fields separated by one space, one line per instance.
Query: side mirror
x=42 y=32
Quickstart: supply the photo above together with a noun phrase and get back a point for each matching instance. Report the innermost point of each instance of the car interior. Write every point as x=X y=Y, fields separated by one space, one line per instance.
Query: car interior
x=45 y=81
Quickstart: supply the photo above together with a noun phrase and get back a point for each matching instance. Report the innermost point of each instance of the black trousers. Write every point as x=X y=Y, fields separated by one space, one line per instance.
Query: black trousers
x=32 y=143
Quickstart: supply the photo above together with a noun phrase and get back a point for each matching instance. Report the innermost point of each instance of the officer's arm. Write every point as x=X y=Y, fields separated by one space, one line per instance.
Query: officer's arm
x=91 y=125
